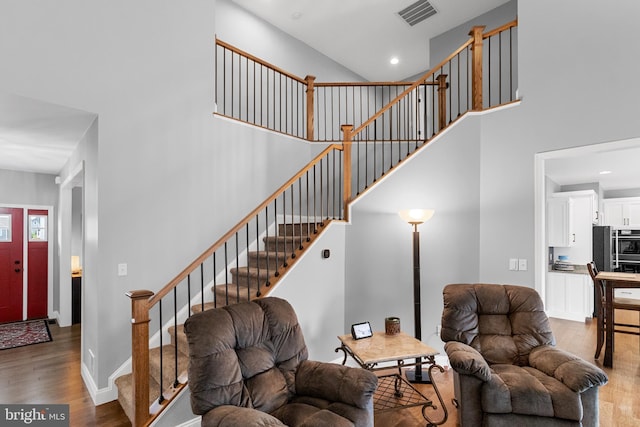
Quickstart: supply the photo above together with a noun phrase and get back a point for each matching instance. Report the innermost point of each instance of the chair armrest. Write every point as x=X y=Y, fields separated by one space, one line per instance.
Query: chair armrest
x=567 y=368
x=336 y=383
x=234 y=416
x=466 y=360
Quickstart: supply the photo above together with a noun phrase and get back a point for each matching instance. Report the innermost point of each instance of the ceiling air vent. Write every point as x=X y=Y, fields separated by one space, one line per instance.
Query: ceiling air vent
x=417 y=12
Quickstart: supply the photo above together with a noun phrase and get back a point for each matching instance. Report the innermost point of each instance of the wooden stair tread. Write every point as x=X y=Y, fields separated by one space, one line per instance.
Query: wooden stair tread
x=168 y=364
x=125 y=393
x=250 y=271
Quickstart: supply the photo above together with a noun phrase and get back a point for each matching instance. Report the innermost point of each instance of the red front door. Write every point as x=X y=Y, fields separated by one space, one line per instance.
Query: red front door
x=11 y=264
x=37 y=256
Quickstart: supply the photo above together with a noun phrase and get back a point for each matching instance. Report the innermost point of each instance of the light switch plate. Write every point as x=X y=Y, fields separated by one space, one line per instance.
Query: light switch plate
x=522 y=264
x=122 y=269
x=513 y=264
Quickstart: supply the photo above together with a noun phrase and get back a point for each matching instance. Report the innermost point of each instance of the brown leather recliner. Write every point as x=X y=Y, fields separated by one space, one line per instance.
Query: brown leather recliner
x=248 y=367
x=507 y=370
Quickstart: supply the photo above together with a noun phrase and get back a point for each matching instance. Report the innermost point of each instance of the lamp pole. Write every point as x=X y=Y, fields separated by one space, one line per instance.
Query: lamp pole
x=416 y=217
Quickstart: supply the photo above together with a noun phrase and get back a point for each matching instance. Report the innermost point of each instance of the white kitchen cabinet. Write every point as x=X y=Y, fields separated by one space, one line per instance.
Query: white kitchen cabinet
x=623 y=212
x=569 y=296
x=559 y=222
x=570 y=217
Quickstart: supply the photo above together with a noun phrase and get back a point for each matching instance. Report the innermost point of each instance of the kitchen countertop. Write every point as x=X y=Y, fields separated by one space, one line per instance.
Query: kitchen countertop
x=577 y=269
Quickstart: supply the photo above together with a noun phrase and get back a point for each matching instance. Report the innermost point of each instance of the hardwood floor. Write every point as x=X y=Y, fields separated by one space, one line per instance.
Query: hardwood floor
x=50 y=373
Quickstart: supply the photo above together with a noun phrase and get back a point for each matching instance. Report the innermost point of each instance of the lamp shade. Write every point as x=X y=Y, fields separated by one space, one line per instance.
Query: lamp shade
x=416 y=216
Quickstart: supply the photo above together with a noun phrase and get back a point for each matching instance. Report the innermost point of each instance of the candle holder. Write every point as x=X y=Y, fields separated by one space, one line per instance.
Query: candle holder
x=392 y=325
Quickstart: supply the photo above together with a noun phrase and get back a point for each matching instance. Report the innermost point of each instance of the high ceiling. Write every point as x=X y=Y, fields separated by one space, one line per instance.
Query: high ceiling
x=40 y=137
x=363 y=35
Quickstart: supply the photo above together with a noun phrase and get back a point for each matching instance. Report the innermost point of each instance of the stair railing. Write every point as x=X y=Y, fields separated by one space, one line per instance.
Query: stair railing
x=407 y=116
x=307 y=202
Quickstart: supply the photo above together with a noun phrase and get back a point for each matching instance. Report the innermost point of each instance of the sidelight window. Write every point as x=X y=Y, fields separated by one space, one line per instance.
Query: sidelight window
x=37 y=228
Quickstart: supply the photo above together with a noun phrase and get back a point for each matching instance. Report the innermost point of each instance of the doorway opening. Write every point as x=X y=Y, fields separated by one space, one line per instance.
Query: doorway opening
x=577 y=166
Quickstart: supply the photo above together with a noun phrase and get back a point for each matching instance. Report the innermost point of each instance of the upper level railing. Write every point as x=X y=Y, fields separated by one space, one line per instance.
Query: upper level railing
x=254 y=91
x=378 y=124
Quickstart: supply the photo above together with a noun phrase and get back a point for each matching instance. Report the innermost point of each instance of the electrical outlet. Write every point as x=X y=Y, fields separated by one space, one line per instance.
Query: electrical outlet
x=438 y=329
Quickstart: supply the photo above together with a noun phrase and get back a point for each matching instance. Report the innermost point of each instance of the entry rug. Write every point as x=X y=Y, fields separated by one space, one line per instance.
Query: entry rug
x=19 y=334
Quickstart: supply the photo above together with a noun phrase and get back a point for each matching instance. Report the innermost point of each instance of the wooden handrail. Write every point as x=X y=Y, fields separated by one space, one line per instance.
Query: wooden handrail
x=500 y=29
x=413 y=86
x=184 y=273
x=258 y=60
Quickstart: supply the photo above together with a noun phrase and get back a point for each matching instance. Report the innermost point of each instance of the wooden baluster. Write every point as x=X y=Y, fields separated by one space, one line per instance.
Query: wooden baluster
x=442 y=101
x=347 y=130
x=476 y=68
x=310 y=109
x=140 y=353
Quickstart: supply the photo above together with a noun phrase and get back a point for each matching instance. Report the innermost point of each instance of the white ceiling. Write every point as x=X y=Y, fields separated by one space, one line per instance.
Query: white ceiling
x=585 y=167
x=363 y=35
x=36 y=136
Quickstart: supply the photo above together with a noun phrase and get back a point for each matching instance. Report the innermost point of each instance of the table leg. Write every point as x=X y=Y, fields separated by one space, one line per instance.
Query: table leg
x=431 y=423
x=608 y=347
x=344 y=361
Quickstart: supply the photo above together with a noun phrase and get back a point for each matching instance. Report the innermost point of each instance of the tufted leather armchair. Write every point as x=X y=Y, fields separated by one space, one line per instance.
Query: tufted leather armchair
x=248 y=367
x=507 y=371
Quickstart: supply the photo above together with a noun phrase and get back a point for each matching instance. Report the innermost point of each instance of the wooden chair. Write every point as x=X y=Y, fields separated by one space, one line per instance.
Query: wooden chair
x=618 y=304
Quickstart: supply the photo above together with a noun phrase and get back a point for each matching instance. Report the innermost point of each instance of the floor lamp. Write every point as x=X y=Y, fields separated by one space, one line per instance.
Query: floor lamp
x=416 y=217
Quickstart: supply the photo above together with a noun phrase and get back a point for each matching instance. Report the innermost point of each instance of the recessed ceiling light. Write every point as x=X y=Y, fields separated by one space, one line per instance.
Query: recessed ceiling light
x=605 y=172
x=394 y=60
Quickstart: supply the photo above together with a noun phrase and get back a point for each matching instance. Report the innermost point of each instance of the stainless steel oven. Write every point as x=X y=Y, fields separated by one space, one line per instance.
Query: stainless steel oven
x=625 y=248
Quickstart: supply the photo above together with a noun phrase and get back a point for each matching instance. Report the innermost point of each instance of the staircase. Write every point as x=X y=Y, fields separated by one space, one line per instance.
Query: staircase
x=279 y=251
x=414 y=113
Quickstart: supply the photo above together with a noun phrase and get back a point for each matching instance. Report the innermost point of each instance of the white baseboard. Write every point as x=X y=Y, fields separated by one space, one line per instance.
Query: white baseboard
x=106 y=394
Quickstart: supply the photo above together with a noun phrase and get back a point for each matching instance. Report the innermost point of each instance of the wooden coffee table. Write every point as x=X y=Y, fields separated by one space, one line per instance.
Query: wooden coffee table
x=394 y=391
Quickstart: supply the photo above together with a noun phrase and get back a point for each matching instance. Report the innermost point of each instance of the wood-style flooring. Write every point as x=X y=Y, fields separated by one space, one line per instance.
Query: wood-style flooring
x=50 y=373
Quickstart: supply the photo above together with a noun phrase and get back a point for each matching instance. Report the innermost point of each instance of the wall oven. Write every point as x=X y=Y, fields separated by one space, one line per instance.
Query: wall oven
x=625 y=250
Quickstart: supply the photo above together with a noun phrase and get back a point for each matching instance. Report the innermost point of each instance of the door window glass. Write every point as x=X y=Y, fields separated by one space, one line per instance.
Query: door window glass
x=37 y=228
x=5 y=228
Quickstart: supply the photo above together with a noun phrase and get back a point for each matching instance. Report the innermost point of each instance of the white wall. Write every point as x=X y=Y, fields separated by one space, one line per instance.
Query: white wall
x=379 y=271
x=576 y=79
x=315 y=287
x=243 y=30
x=163 y=177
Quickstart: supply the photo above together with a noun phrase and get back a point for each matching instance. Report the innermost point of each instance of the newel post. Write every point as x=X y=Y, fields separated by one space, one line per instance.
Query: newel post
x=347 y=130
x=140 y=354
x=442 y=101
x=310 y=110
x=476 y=67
